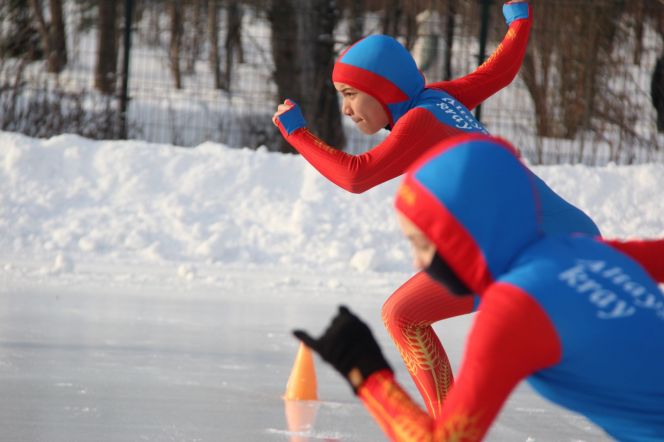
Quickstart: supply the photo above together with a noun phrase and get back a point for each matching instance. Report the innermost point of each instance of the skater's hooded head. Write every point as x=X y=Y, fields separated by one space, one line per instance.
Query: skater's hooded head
x=477 y=206
x=378 y=65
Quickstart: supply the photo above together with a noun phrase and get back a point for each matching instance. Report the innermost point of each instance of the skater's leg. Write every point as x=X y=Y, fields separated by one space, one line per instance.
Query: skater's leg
x=408 y=315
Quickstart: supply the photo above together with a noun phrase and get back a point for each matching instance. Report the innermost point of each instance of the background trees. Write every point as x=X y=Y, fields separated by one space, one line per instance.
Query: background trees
x=215 y=69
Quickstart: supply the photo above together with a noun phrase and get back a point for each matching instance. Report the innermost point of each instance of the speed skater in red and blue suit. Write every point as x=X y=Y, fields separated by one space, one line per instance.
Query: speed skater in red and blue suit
x=381 y=86
x=582 y=322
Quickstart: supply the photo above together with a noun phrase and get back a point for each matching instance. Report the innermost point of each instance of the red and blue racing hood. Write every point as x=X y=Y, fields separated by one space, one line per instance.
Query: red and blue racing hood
x=381 y=67
x=475 y=200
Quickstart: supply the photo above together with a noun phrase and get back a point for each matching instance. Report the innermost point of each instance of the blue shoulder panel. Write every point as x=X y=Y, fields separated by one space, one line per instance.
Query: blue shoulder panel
x=560 y=216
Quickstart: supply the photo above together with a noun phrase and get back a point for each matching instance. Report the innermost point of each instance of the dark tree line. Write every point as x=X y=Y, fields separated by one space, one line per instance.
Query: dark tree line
x=303 y=41
x=571 y=63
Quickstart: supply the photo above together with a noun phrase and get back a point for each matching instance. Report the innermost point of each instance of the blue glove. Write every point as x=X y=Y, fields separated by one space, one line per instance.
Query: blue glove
x=515 y=11
x=292 y=119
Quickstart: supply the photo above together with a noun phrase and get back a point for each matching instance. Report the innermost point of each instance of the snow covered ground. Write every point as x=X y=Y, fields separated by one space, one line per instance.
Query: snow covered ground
x=148 y=291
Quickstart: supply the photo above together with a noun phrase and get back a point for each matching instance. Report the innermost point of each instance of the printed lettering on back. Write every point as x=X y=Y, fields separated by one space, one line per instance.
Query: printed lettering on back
x=600 y=283
x=451 y=112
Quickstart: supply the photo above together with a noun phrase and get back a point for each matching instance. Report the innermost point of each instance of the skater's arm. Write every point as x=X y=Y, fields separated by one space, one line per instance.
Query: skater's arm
x=500 y=69
x=511 y=338
x=648 y=252
x=413 y=134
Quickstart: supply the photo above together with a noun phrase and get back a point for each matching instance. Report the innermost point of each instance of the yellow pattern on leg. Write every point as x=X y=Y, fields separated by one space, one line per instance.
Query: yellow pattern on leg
x=423 y=357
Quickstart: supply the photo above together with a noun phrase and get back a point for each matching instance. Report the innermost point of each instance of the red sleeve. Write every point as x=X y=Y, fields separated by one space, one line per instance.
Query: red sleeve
x=512 y=338
x=496 y=72
x=413 y=134
x=649 y=253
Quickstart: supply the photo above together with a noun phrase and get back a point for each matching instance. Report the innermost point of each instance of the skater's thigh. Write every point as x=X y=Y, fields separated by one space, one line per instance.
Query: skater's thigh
x=421 y=299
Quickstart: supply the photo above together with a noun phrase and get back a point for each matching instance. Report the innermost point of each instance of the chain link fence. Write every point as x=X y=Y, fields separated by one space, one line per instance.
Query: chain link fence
x=205 y=70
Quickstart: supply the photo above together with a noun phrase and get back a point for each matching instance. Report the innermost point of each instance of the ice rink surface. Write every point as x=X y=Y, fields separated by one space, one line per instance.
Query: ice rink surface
x=186 y=363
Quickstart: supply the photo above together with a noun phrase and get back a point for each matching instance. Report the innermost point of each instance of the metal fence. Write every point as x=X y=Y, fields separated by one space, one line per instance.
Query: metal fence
x=238 y=111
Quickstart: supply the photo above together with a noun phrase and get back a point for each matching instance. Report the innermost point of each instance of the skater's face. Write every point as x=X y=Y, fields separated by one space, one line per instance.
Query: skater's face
x=365 y=111
x=422 y=248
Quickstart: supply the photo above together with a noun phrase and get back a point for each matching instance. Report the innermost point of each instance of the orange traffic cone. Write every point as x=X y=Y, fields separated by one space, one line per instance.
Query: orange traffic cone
x=302 y=384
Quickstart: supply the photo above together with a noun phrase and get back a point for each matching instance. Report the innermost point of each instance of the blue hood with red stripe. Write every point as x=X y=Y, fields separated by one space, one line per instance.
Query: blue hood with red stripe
x=477 y=202
x=380 y=66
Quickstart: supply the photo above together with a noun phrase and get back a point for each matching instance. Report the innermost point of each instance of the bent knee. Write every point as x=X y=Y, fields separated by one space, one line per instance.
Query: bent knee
x=398 y=313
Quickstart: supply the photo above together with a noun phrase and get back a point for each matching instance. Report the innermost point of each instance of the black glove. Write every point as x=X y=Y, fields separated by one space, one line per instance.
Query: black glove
x=349 y=347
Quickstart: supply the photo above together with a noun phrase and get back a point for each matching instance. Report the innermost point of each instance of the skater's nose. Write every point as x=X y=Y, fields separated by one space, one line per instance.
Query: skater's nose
x=346 y=108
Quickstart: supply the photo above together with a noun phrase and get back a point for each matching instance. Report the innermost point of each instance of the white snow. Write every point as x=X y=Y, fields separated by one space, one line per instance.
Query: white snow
x=256 y=232
x=67 y=201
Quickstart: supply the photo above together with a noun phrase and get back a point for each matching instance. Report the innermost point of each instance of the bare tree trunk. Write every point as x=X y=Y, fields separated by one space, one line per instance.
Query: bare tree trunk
x=175 y=12
x=356 y=20
x=213 y=30
x=153 y=31
x=195 y=33
x=52 y=35
x=536 y=72
x=536 y=79
x=392 y=15
x=411 y=29
x=325 y=115
x=58 y=57
x=284 y=47
x=106 y=69
x=233 y=39
x=307 y=34
x=658 y=13
x=639 y=19
x=449 y=37
x=42 y=27
x=284 y=41
x=657 y=92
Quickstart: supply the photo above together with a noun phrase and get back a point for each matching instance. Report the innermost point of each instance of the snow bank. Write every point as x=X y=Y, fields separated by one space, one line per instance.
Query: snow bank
x=136 y=202
x=68 y=200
